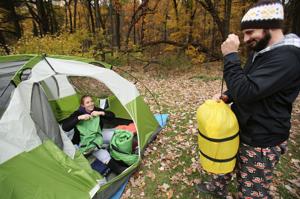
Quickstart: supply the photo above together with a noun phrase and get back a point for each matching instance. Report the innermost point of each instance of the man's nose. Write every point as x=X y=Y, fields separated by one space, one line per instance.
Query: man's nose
x=246 y=38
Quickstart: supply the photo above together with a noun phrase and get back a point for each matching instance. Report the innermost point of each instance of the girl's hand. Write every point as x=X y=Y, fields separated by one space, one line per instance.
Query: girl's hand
x=84 y=117
x=97 y=113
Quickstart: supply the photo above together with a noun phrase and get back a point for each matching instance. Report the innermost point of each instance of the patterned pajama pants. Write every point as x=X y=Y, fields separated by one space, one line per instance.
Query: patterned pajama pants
x=254 y=171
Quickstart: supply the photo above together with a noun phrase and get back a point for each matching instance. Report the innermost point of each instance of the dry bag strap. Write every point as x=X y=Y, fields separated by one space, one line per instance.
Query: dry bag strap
x=218 y=140
x=217 y=160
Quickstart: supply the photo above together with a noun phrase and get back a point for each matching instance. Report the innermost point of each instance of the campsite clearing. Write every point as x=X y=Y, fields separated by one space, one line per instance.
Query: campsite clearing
x=170 y=167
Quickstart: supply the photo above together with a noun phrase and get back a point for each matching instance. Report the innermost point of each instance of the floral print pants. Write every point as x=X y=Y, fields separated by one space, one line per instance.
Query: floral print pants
x=254 y=171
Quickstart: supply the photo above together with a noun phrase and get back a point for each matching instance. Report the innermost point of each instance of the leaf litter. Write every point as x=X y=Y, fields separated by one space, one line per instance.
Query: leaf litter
x=170 y=163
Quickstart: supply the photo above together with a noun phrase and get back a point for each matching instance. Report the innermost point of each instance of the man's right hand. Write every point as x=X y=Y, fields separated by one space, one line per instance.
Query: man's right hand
x=84 y=117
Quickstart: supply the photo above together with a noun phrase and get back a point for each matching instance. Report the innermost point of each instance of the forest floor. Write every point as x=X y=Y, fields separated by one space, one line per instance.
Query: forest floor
x=170 y=166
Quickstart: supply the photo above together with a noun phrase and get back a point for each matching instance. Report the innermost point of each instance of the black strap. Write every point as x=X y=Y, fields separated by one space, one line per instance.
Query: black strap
x=218 y=140
x=118 y=150
x=217 y=160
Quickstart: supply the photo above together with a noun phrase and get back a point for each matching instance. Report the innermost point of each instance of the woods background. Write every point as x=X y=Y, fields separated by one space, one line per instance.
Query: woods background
x=162 y=32
x=148 y=35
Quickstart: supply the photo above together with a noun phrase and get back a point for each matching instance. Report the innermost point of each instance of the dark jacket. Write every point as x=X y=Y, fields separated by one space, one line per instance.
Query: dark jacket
x=264 y=91
x=71 y=122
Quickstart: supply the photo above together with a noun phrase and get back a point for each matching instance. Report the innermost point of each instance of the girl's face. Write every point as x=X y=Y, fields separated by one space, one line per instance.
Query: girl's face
x=88 y=104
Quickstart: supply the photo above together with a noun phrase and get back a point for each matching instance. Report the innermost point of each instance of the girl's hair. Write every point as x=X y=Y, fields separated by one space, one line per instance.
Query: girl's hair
x=83 y=98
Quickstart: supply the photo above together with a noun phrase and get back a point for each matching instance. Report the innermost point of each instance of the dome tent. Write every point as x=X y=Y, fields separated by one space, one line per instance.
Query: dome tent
x=36 y=157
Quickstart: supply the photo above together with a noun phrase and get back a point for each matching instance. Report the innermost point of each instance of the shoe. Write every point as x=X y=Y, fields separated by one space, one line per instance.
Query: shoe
x=207 y=187
x=115 y=166
x=101 y=168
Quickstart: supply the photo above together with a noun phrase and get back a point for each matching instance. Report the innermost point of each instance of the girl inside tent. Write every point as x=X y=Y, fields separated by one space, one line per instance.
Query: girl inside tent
x=87 y=122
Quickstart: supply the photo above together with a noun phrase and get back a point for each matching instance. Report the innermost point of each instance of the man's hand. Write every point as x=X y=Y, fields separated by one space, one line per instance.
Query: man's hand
x=84 y=117
x=230 y=45
x=97 y=113
x=219 y=97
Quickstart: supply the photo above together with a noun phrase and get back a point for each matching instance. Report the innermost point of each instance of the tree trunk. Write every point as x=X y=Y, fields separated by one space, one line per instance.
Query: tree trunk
x=213 y=38
x=191 y=23
x=111 y=17
x=143 y=24
x=66 y=14
x=175 y=5
x=53 y=27
x=166 y=22
x=134 y=34
x=44 y=20
x=136 y=17
x=97 y=14
x=14 y=17
x=3 y=43
x=117 y=28
x=36 y=18
x=208 y=5
x=70 y=16
x=227 y=14
x=75 y=15
x=89 y=7
x=204 y=27
x=34 y=29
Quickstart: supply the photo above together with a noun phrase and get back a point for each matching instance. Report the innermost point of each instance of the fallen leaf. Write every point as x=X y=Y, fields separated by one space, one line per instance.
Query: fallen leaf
x=151 y=175
x=170 y=194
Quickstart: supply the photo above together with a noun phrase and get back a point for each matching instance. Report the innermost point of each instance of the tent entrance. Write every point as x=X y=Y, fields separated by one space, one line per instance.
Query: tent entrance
x=64 y=95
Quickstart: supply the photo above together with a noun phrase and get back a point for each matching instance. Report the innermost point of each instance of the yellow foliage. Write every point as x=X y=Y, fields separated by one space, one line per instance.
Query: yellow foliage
x=169 y=48
x=195 y=55
x=65 y=43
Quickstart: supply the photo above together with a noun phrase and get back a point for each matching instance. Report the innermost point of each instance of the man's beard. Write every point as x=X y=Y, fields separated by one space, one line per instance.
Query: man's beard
x=261 y=44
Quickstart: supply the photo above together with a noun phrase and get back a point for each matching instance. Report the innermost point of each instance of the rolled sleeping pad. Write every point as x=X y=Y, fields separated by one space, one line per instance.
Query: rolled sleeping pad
x=121 y=147
x=218 y=138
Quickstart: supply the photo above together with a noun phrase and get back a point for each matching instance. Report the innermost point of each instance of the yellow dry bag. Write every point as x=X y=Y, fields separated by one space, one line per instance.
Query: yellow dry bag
x=218 y=138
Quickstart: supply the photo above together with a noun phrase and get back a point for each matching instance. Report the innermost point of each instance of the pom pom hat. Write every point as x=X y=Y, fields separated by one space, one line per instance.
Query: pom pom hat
x=265 y=14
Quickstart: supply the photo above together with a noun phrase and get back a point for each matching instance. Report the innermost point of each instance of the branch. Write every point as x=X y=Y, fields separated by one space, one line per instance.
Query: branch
x=135 y=18
x=197 y=45
x=213 y=12
x=174 y=43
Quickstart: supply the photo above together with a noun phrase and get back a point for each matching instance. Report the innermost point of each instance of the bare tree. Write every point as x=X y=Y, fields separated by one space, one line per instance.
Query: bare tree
x=75 y=15
x=69 y=12
x=141 y=11
x=222 y=24
x=43 y=14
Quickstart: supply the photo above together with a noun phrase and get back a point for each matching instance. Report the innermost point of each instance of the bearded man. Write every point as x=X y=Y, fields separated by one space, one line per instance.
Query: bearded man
x=262 y=94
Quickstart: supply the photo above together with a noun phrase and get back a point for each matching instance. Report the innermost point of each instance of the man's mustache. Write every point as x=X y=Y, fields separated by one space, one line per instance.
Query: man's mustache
x=249 y=42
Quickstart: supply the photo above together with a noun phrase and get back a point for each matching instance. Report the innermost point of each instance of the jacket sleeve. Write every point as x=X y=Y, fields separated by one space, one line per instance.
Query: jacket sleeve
x=70 y=122
x=107 y=117
x=268 y=78
x=108 y=114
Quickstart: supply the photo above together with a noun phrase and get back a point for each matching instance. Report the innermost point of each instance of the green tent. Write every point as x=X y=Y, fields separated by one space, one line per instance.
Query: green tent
x=37 y=159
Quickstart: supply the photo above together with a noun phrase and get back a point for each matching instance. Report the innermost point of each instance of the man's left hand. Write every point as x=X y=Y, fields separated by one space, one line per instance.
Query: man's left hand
x=230 y=45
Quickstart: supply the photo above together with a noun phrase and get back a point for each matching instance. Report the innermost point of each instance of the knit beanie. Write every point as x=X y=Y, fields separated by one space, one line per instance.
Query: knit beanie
x=265 y=14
